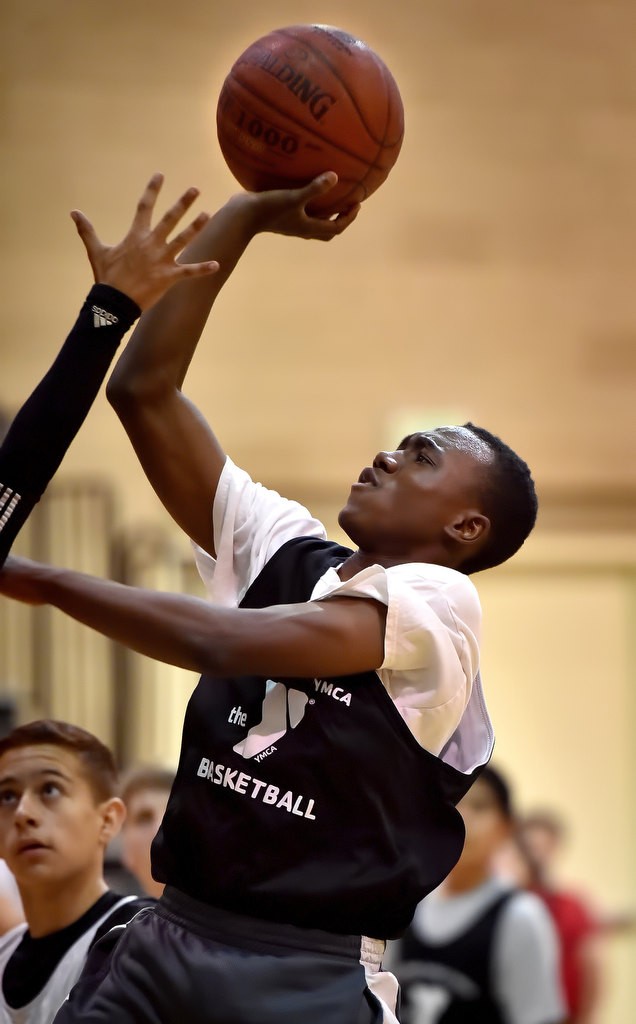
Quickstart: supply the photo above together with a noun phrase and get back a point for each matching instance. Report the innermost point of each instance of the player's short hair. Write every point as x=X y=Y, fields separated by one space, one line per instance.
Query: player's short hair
x=509 y=500
x=96 y=759
x=500 y=789
x=145 y=777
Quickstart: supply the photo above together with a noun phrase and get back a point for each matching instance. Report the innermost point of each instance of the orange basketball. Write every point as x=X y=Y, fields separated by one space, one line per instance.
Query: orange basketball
x=307 y=99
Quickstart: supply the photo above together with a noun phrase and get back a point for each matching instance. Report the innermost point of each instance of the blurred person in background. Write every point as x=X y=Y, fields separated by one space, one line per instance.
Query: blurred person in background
x=145 y=793
x=532 y=860
x=541 y=835
x=58 y=812
x=480 y=951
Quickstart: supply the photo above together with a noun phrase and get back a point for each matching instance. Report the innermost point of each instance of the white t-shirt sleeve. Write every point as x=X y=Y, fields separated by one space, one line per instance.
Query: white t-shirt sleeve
x=526 y=956
x=251 y=522
x=431 y=646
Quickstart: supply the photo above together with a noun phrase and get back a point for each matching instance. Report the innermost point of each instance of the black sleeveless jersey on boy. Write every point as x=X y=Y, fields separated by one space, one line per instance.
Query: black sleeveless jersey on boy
x=461 y=970
x=307 y=801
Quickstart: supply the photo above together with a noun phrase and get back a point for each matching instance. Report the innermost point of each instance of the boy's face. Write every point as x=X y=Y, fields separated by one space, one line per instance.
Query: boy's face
x=144 y=814
x=487 y=827
x=52 y=828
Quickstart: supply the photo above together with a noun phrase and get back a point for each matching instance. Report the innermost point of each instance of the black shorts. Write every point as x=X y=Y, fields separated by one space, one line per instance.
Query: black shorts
x=183 y=962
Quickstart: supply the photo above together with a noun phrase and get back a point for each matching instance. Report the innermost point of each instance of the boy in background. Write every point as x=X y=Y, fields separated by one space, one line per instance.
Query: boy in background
x=58 y=812
x=145 y=794
x=479 y=951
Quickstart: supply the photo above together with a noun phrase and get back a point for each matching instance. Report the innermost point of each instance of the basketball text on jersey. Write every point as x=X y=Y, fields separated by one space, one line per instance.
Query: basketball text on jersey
x=257 y=789
x=283 y=708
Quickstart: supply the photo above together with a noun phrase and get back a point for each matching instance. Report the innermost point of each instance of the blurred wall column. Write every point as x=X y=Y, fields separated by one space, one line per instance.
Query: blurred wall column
x=151 y=696
x=72 y=665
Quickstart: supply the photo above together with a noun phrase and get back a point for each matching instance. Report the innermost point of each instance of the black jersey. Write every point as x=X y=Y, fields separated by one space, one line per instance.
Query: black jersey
x=307 y=801
x=456 y=976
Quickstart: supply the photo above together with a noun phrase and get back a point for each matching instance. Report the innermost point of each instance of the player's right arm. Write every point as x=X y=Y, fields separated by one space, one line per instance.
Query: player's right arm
x=334 y=637
x=178 y=451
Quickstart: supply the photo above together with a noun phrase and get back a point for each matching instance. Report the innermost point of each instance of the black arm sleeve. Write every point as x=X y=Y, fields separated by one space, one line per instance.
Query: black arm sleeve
x=50 y=418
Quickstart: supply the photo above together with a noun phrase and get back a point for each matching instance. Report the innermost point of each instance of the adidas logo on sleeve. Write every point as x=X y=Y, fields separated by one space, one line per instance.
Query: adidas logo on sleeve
x=102 y=318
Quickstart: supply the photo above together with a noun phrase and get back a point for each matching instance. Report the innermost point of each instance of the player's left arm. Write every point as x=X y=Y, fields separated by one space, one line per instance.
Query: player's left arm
x=338 y=636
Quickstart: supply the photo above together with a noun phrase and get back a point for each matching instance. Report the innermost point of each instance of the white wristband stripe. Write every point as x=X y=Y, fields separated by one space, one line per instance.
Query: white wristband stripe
x=8 y=502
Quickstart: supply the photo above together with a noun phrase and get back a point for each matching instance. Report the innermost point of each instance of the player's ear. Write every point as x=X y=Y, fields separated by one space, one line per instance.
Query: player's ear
x=112 y=813
x=469 y=527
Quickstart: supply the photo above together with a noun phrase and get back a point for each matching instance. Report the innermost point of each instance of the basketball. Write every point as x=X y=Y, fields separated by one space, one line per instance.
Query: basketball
x=307 y=99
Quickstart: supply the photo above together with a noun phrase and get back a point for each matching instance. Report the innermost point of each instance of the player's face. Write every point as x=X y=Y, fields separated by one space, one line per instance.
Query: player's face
x=487 y=828
x=145 y=811
x=52 y=829
x=405 y=504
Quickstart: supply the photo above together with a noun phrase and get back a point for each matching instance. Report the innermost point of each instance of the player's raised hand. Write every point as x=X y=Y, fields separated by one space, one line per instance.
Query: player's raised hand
x=287 y=211
x=144 y=264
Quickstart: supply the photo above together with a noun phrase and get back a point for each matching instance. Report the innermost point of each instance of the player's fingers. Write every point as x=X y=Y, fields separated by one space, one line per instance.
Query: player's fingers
x=325 y=226
x=146 y=203
x=196 y=269
x=319 y=185
x=172 y=216
x=86 y=231
x=184 y=237
x=347 y=217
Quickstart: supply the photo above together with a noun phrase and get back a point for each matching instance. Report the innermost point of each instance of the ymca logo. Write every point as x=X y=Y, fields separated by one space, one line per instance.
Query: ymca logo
x=282 y=709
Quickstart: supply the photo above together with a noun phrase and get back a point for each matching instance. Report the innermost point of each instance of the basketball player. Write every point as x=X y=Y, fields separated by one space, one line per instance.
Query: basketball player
x=479 y=950
x=340 y=716
x=58 y=811
x=129 y=277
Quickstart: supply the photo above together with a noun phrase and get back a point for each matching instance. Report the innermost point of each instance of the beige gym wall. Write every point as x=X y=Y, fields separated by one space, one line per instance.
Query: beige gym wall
x=491 y=277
